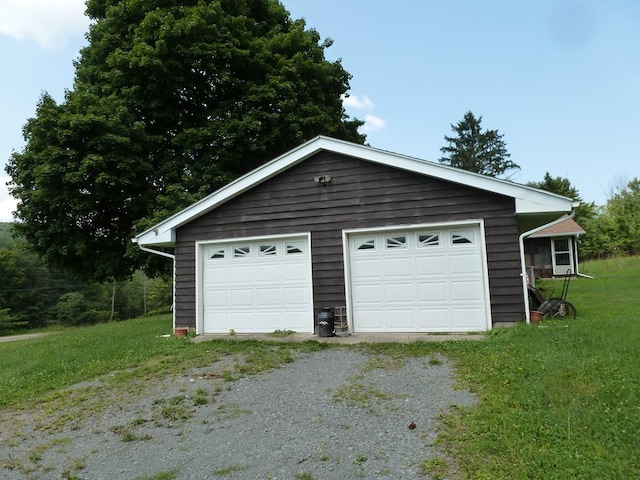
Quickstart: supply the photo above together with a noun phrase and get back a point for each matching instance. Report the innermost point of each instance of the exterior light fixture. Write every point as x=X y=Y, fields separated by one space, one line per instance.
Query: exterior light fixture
x=322 y=179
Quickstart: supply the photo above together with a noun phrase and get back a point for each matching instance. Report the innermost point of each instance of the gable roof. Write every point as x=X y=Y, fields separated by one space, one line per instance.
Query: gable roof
x=528 y=200
x=566 y=227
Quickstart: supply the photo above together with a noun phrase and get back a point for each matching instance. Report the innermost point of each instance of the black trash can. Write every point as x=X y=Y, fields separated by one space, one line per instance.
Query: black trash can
x=326 y=323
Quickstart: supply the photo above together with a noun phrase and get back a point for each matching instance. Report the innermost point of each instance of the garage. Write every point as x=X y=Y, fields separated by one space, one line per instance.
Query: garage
x=420 y=279
x=407 y=245
x=257 y=285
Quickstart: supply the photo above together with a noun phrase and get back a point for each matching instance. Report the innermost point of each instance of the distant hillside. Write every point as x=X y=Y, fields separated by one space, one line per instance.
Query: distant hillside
x=6 y=236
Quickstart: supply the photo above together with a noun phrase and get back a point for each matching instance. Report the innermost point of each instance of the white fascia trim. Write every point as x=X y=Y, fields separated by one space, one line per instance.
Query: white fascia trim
x=412 y=226
x=164 y=232
x=558 y=235
x=279 y=236
x=527 y=199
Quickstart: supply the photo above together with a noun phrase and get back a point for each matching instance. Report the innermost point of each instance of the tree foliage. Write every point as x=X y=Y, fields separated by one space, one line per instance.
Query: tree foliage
x=615 y=229
x=478 y=151
x=171 y=100
x=27 y=288
x=33 y=295
x=562 y=186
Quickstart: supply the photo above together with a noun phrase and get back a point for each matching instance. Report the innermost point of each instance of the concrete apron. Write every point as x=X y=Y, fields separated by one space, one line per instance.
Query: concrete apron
x=344 y=340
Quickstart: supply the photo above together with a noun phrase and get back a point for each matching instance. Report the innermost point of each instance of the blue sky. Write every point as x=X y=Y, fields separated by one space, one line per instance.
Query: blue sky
x=560 y=79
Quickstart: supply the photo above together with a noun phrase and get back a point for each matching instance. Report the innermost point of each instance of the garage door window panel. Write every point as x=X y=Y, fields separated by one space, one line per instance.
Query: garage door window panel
x=295 y=248
x=242 y=252
x=365 y=244
x=216 y=253
x=464 y=237
x=396 y=242
x=268 y=250
x=428 y=240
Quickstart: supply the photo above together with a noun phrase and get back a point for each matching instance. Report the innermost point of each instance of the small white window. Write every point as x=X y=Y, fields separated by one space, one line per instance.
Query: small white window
x=216 y=253
x=268 y=250
x=463 y=237
x=397 y=241
x=428 y=240
x=242 y=252
x=366 y=244
x=294 y=248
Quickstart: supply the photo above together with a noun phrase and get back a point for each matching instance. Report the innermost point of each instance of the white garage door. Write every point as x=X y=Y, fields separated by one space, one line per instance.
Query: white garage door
x=419 y=280
x=257 y=286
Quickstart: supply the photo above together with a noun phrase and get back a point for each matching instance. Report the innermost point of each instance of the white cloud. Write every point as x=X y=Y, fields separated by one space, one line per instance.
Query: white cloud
x=361 y=103
x=7 y=202
x=47 y=22
x=372 y=123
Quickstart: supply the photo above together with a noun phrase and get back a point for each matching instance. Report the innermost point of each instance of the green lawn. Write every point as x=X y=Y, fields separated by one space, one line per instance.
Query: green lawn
x=37 y=369
x=32 y=368
x=557 y=400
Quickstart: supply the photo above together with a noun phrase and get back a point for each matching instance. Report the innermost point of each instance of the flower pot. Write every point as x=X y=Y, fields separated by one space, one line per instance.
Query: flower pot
x=181 y=332
x=535 y=316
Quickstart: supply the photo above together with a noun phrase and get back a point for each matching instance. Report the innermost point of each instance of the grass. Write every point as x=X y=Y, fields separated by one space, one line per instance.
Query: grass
x=355 y=393
x=557 y=400
x=31 y=368
x=560 y=400
x=437 y=468
x=228 y=471
x=167 y=475
x=36 y=369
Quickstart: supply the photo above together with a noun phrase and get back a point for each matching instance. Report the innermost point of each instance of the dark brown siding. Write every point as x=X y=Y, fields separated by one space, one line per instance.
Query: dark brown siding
x=361 y=194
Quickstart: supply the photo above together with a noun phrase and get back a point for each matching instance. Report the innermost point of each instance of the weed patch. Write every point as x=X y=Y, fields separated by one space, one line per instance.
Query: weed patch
x=358 y=394
x=229 y=471
x=166 y=475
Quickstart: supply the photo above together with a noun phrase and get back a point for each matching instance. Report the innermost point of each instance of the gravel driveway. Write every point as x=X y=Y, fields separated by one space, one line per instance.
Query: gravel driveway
x=332 y=414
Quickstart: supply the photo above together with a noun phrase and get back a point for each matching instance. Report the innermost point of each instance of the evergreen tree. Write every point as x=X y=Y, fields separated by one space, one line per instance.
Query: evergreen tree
x=476 y=151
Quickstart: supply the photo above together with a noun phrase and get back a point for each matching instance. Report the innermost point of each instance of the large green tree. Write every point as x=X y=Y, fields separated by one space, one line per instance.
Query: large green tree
x=475 y=150
x=171 y=100
x=615 y=229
